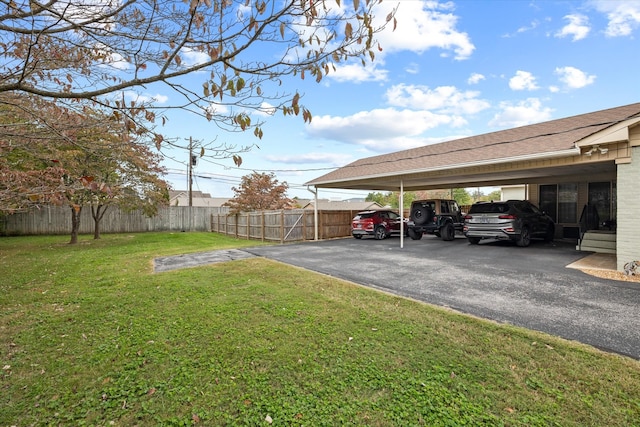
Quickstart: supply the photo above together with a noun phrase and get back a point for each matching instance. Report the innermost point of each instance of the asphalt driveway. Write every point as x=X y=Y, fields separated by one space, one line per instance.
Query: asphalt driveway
x=529 y=287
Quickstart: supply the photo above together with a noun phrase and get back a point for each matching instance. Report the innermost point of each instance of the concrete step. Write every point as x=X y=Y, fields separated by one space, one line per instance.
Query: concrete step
x=595 y=235
x=598 y=241
x=596 y=249
x=607 y=244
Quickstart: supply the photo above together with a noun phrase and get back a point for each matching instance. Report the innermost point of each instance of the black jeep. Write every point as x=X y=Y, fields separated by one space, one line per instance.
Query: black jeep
x=435 y=216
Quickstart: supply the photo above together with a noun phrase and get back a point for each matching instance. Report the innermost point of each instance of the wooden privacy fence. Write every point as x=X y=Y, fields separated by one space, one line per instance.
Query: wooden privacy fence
x=53 y=220
x=284 y=225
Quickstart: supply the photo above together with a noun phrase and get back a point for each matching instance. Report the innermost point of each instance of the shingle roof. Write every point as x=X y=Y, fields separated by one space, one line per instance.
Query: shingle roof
x=542 y=138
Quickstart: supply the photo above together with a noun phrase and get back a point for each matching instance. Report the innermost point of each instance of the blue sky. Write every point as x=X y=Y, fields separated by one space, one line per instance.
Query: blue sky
x=449 y=70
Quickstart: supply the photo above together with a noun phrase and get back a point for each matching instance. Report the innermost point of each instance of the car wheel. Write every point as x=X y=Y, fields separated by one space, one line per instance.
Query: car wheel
x=448 y=232
x=414 y=234
x=357 y=236
x=473 y=240
x=525 y=237
x=420 y=214
x=550 y=234
x=380 y=233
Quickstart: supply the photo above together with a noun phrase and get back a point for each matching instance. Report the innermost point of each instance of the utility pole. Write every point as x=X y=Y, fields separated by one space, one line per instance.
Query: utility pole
x=190 y=172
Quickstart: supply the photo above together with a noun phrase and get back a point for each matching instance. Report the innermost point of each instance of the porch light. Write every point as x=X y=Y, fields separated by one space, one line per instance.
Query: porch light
x=595 y=148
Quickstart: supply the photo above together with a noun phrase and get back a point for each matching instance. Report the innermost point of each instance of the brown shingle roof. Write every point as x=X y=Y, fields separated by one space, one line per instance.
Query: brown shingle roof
x=542 y=138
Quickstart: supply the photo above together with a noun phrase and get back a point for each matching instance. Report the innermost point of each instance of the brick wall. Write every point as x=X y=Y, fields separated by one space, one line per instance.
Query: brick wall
x=628 y=232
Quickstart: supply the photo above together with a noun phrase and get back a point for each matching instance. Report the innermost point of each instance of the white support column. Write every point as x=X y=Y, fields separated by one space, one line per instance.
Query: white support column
x=627 y=231
x=401 y=211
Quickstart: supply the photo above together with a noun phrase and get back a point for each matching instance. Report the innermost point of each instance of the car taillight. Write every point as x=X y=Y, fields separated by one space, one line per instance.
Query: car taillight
x=508 y=217
x=466 y=217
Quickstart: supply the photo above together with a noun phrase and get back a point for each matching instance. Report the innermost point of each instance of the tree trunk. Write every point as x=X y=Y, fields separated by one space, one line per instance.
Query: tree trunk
x=97 y=213
x=75 y=223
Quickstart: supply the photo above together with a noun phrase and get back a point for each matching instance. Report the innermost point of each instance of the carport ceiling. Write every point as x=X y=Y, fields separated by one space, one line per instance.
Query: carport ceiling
x=477 y=177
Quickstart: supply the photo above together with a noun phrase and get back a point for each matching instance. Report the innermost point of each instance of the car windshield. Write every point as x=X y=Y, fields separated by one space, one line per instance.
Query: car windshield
x=364 y=215
x=481 y=208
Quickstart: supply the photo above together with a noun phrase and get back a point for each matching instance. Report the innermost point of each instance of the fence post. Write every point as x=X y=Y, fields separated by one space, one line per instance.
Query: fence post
x=262 y=224
x=248 y=226
x=282 y=226
x=304 y=225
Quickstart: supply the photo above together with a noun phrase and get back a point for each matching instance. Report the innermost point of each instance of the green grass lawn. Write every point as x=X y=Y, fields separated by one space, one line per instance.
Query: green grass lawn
x=89 y=335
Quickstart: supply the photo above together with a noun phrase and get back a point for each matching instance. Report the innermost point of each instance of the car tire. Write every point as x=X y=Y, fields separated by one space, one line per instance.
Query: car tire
x=550 y=234
x=414 y=235
x=473 y=240
x=525 y=237
x=420 y=214
x=448 y=232
x=357 y=236
x=380 y=233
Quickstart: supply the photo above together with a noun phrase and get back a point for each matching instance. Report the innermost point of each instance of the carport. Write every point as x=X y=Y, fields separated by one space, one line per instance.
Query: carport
x=566 y=156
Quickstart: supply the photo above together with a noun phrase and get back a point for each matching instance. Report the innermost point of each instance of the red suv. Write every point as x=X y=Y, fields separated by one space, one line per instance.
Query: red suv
x=379 y=224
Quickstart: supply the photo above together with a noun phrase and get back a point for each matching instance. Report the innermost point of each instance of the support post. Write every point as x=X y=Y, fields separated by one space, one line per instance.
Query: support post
x=401 y=211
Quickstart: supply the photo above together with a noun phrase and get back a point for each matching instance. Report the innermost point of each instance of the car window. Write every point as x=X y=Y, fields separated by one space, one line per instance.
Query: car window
x=454 y=207
x=525 y=207
x=444 y=207
x=481 y=208
x=393 y=215
x=364 y=215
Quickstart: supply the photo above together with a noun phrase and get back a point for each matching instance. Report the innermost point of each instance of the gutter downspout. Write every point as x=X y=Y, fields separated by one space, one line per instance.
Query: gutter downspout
x=315 y=212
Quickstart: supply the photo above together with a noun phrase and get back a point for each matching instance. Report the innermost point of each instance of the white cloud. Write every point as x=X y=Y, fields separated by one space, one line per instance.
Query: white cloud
x=265 y=110
x=574 y=78
x=520 y=114
x=218 y=109
x=190 y=57
x=523 y=80
x=145 y=98
x=444 y=99
x=532 y=26
x=335 y=159
x=424 y=25
x=357 y=73
x=578 y=27
x=413 y=68
x=623 y=16
x=475 y=78
x=381 y=130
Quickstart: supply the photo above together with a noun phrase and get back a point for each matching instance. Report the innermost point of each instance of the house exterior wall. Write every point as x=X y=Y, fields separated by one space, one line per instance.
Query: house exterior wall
x=513 y=192
x=628 y=233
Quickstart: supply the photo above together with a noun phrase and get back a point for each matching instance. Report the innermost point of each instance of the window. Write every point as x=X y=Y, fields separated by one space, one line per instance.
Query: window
x=567 y=203
x=600 y=198
x=560 y=202
x=549 y=200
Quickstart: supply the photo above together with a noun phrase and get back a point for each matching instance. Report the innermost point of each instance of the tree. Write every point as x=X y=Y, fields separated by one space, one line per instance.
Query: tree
x=461 y=196
x=61 y=157
x=96 y=51
x=392 y=198
x=130 y=172
x=494 y=195
x=258 y=192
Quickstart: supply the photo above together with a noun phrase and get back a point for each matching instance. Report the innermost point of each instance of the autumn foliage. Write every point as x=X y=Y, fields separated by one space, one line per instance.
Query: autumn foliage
x=259 y=192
